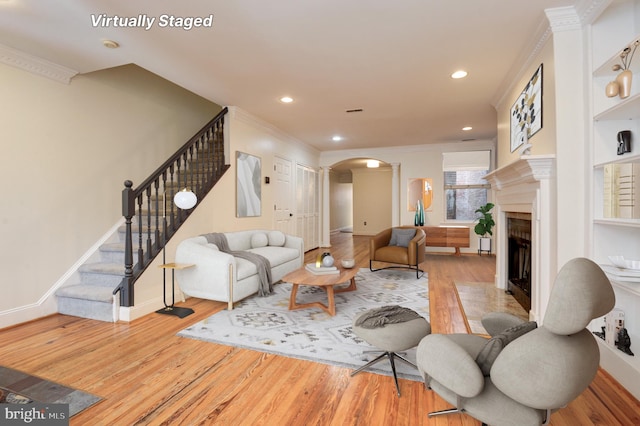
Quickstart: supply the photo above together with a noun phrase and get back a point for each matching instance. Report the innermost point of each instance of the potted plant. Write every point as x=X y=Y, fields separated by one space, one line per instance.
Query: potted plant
x=484 y=227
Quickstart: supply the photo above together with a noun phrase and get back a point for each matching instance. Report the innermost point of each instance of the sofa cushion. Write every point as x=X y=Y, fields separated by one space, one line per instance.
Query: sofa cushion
x=276 y=255
x=494 y=346
x=259 y=239
x=276 y=238
x=401 y=237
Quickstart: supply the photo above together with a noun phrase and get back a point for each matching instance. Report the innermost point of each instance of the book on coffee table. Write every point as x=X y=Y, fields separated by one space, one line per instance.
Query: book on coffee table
x=321 y=270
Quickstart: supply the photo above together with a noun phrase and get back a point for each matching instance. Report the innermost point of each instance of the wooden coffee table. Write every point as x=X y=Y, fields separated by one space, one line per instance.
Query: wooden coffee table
x=327 y=281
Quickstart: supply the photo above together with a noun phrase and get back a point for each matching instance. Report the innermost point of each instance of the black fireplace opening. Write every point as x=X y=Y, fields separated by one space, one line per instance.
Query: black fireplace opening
x=519 y=257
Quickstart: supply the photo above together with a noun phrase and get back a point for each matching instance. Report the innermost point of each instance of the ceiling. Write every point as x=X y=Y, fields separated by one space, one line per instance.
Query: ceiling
x=392 y=59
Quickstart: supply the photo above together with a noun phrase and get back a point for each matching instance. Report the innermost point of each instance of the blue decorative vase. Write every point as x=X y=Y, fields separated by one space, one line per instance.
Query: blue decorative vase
x=419 y=217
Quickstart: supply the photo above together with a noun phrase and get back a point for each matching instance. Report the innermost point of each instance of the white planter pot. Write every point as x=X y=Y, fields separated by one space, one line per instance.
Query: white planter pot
x=484 y=244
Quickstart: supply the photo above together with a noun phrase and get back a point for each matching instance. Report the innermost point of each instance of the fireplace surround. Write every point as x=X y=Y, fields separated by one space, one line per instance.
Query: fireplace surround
x=526 y=188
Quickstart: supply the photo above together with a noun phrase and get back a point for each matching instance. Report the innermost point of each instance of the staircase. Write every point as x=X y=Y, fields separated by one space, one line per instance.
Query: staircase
x=198 y=165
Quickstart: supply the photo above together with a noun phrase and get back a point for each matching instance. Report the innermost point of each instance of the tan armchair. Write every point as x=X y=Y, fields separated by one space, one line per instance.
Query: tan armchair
x=400 y=248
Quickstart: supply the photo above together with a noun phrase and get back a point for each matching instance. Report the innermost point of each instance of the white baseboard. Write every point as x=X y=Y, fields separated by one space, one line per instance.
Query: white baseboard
x=48 y=304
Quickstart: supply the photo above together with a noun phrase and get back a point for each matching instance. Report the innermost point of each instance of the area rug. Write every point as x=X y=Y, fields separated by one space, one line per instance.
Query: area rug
x=480 y=298
x=23 y=388
x=265 y=323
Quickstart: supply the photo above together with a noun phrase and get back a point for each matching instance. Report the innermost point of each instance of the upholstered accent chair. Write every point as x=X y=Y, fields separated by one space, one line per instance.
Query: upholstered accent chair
x=402 y=247
x=523 y=374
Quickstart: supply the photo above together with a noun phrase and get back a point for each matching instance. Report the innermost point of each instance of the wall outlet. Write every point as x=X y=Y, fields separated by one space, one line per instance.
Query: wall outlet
x=365 y=223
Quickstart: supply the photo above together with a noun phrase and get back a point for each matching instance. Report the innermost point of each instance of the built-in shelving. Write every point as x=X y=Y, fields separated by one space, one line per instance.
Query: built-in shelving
x=615 y=29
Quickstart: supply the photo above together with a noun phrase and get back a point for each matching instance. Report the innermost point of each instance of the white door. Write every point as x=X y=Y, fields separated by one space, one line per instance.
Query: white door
x=283 y=196
x=307 y=206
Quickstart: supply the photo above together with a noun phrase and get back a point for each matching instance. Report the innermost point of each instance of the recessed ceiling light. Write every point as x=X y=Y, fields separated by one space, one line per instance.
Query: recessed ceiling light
x=110 y=44
x=373 y=164
x=467 y=128
x=336 y=138
x=286 y=99
x=459 y=74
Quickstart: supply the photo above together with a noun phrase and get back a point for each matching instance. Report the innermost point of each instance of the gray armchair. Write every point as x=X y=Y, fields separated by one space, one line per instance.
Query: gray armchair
x=523 y=374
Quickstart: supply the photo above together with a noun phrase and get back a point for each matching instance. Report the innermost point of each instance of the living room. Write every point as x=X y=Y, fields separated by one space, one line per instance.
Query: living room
x=120 y=123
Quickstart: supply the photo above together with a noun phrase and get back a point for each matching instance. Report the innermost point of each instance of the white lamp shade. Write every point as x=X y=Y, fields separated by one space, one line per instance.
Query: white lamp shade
x=185 y=199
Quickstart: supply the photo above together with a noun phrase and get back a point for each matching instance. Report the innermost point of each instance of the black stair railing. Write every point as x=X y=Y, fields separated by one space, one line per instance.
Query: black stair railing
x=197 y=165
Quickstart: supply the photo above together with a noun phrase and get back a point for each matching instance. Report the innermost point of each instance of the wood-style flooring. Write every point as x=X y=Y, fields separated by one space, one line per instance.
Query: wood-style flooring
x=149 y=376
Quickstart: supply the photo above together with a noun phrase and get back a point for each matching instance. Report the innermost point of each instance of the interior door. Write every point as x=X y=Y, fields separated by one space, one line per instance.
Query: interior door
x=307 y=206
x=283 y=195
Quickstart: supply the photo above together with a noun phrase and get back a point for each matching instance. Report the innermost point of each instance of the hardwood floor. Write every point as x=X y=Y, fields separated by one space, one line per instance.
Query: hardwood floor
x=149 y=376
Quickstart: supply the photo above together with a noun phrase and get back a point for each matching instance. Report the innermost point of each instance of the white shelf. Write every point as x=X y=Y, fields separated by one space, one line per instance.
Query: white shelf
x=619 y=160
x=632 y=361
x=627 y=109
x=625 y=368
x=606 y=69
x=630 y=223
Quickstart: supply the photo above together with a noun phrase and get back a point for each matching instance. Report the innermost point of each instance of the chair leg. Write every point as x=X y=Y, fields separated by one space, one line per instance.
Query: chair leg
x=442 y=412
x=393 y=369
x=370 y=363
x=392 y=356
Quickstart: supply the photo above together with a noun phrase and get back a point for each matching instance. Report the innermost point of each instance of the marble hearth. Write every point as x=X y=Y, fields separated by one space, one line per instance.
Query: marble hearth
x=528 y=186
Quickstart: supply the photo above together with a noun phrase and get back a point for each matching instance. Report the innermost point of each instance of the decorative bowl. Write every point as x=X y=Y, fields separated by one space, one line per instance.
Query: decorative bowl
x=348 y=263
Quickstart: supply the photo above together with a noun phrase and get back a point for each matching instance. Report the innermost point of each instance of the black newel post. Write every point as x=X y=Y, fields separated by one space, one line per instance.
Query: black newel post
x=128 y=211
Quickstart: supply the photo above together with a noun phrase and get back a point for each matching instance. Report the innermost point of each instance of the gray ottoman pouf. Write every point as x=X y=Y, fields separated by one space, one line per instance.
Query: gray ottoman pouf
x=393 y=329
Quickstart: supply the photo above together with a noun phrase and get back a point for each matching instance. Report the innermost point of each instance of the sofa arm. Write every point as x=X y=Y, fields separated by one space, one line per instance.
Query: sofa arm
x=416 y=247
x=213 y=273
x=450 y=364
x=297 y=243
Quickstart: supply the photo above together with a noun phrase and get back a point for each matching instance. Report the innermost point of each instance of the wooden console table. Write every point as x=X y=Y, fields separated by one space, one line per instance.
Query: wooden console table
x=447 y=236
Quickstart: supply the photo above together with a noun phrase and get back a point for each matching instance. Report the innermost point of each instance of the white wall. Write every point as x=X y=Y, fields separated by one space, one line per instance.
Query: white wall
x=66 y=151
x=341 y=199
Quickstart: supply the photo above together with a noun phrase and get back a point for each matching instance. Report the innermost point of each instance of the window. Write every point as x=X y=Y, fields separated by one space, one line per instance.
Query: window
x=465 y=188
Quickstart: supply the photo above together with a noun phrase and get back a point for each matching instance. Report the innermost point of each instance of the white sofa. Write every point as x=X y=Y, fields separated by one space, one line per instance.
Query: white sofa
x=222 y=277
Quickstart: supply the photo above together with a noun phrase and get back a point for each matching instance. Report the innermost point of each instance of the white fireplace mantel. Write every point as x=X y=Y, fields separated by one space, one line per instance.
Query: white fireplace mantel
x=528 y=186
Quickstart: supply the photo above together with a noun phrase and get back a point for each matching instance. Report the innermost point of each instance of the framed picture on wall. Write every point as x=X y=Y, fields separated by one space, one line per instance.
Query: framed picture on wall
x=248 y=185
x=526 y=112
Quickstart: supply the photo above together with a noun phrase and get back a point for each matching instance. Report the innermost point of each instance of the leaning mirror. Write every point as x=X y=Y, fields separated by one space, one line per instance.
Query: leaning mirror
x=419 y=189
x=248 y=181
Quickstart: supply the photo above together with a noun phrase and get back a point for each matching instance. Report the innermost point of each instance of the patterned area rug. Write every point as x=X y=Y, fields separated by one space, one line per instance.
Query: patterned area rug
x=479 y=299
x=23 y=388
x=265 y=323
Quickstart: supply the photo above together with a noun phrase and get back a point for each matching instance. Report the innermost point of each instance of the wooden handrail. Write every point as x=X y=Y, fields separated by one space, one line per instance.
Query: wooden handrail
x=197 y=165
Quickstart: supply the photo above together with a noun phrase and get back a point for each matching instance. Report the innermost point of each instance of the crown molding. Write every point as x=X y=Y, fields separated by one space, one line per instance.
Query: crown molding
x=246 y=117
x=557 y=19
x=36 y=65
x=590 y=10
x=563 y=19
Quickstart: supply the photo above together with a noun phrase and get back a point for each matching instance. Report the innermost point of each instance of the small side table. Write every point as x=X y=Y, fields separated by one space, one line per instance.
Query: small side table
x=171 y=309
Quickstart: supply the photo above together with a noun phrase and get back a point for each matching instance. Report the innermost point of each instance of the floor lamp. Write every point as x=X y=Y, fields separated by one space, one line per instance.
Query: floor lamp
x=185 y=200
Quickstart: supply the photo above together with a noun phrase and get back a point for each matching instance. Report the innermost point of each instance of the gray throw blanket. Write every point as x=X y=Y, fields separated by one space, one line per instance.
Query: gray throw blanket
x=262 y=263
x=380 y=317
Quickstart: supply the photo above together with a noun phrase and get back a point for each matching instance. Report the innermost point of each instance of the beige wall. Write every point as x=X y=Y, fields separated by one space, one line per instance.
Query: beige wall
x=66 y=151
x=544 y=141
x=371 y=195
x=217 y=212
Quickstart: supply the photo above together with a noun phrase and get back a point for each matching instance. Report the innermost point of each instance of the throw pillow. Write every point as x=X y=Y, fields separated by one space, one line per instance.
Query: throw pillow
x=259 y=239
x=497 y=343
x=401 y=237
x=276 y=238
